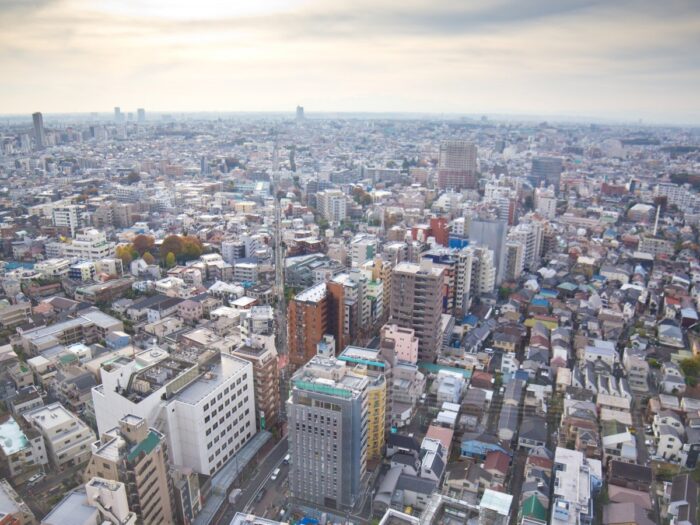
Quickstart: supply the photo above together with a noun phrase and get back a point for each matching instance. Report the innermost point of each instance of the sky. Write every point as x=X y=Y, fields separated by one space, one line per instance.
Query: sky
x=619 y=59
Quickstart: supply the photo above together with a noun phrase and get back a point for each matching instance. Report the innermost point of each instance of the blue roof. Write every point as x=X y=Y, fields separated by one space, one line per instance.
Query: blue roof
x=14 y=265
x=539 y=302
x=548 y=293
x=470 y=320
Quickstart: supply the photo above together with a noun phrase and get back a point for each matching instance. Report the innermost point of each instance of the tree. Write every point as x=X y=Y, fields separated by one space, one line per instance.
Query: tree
x=148 y=258
x=170 y=260
x=691 y=367
x=172 y=244
x=124 y=253
x=143 y=243
x=191 y=248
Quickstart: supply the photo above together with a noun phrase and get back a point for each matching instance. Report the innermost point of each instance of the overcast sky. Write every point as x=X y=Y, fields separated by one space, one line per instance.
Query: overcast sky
x=625 y=59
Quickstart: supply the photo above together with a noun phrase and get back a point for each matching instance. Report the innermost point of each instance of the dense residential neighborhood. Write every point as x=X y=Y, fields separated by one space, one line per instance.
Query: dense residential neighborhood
x=264 y=320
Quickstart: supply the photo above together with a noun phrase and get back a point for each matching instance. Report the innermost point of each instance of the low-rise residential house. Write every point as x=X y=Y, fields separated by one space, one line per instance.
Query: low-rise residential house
x=670 y=443
x=533 y=432
x=618 y=442
x=629 y=475
x=671 y=380
x=683 y=500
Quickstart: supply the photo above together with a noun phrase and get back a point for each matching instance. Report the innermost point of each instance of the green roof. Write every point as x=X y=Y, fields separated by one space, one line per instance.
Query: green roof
x=533 y=508
x=146 y=446
x=68 y=358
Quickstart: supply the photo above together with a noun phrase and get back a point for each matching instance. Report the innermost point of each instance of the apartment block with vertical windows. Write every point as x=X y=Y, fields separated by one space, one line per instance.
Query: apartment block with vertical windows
x=328 y=433
x=136 y=455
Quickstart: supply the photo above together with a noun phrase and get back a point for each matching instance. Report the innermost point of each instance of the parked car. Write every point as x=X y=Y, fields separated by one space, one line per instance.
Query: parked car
x=275 y=474
x=35 y=479
x=260 y=495
x=287 y=459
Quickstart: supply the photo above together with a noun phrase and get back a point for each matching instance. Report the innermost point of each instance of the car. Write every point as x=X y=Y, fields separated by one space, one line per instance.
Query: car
x=648 y=442
x=35 y=479
x=287 y=459
x=275 y=474
x=260 y=495
x=235 y=493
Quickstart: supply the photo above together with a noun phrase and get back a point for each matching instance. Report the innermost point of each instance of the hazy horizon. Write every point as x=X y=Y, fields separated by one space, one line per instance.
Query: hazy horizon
x=581 y=59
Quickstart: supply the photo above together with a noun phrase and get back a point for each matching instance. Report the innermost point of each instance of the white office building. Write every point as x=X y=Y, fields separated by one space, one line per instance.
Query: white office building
x=207 y=412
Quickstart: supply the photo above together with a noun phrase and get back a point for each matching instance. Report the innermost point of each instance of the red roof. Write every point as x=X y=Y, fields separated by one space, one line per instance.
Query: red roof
x=498 y=461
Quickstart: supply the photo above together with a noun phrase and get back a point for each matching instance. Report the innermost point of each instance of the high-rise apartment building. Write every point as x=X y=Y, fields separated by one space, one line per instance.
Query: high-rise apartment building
x=457 y=167
x=405 y=383
x=328 y=426
x=416 y=303
x=141 y=115
x=136 y=455
x=332 y=205
x=369 y=362
x=530 y=235
x=70 y=217
x=307 y=322
x=39 y=132
x=547 y=171
x=492 y=234
x=350 y=307
x=515 y=261
x=363 y=248
x=260 y=351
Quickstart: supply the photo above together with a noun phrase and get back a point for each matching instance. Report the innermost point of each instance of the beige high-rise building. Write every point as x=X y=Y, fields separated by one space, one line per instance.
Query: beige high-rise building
x=261 y=352
x=458 y=167
x=137 y=456
x=416 y=302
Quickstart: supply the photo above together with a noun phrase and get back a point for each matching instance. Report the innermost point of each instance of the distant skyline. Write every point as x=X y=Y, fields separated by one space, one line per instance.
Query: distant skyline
x=592 y=59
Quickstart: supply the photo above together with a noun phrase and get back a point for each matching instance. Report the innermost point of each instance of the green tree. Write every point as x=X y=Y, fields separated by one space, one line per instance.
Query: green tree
x=170 y=260
x=691 y=366
x=148 y=258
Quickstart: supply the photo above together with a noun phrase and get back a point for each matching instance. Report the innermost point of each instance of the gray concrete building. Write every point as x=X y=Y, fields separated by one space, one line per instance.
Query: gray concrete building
x=328 y=432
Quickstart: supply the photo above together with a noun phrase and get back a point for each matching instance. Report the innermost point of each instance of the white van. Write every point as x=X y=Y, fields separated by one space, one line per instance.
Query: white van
x=275 y=474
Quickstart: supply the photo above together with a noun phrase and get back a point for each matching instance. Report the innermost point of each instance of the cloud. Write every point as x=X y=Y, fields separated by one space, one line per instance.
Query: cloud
x=636 y=57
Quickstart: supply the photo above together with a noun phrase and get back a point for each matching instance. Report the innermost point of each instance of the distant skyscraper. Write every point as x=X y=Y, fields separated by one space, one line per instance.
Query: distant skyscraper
x=39 y=133
x=547 y=170
x=300 y=112
x=493 y=235
x=457 y=168
x=117 y=114
x=141 y=115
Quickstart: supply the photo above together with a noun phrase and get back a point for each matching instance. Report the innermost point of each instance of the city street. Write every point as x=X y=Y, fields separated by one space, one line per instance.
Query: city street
x=252 y=486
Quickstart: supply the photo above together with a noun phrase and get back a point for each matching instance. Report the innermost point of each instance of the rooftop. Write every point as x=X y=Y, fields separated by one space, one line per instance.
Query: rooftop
x=12 y=438
x=211 y=380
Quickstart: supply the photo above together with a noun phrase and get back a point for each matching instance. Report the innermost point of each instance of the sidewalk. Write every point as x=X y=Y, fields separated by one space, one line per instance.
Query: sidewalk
x=225 y=478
